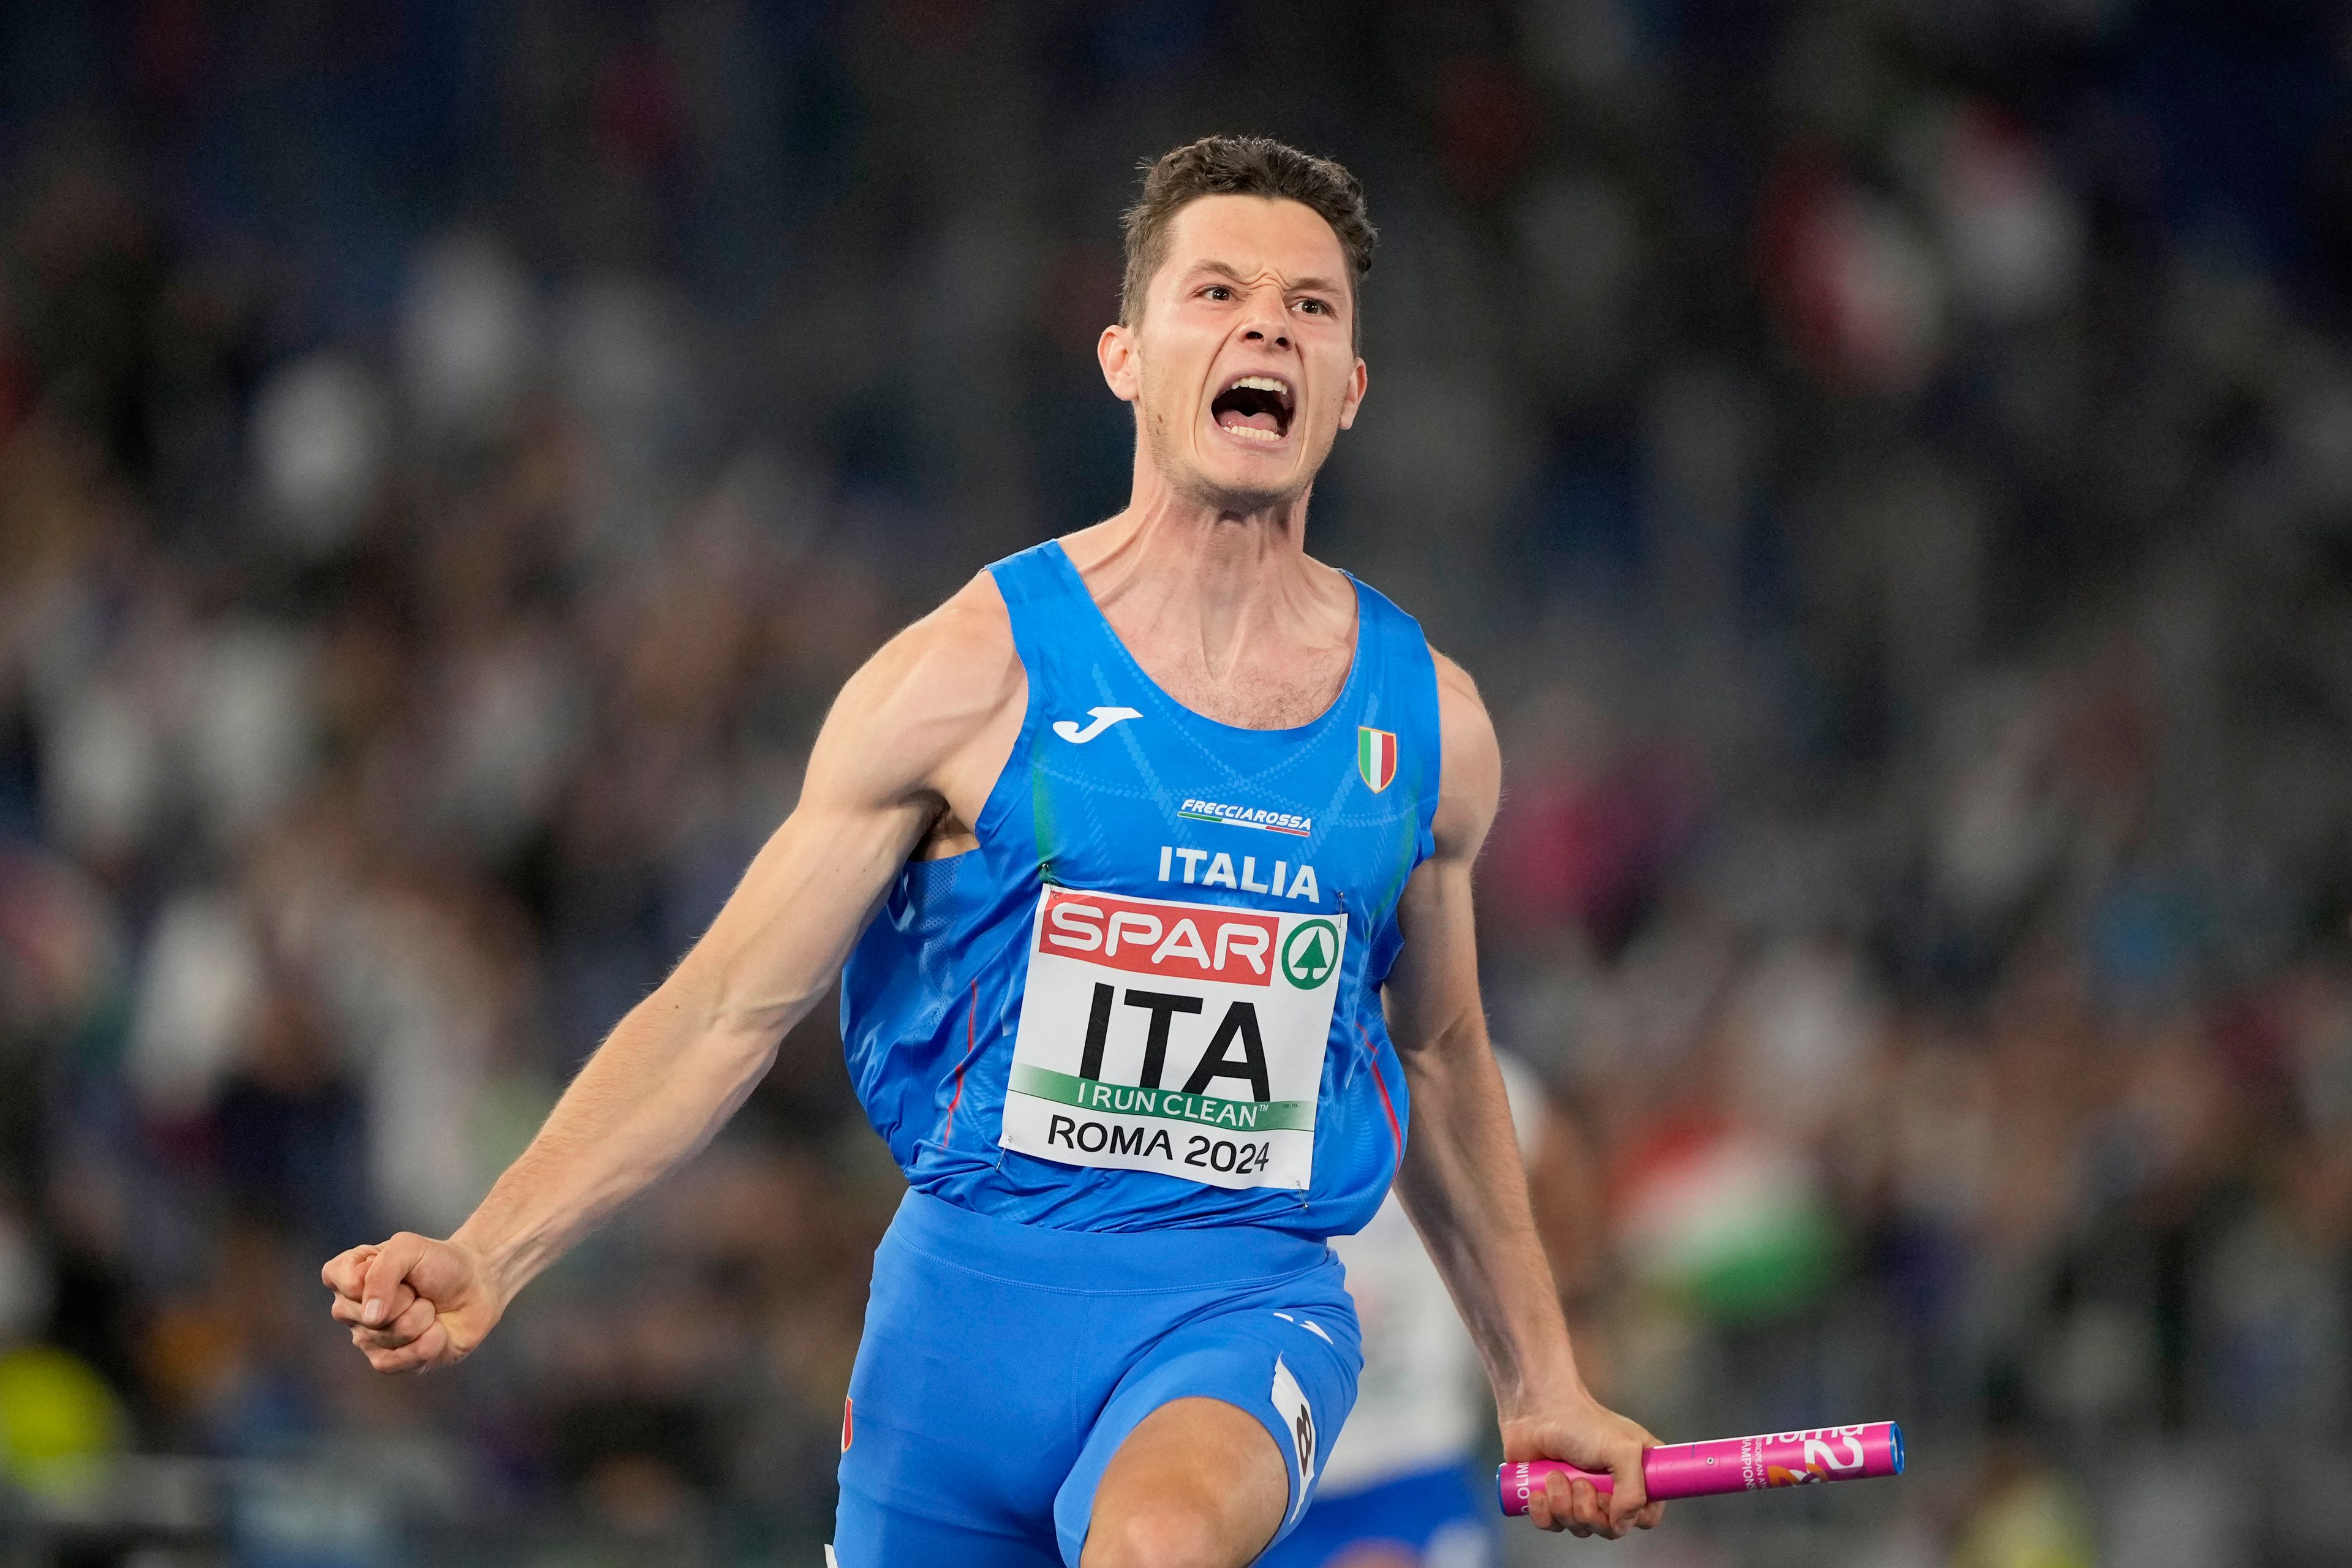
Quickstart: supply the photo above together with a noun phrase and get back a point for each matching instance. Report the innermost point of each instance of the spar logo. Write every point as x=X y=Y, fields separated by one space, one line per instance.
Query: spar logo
x=1311 y=953
x=1235 y=946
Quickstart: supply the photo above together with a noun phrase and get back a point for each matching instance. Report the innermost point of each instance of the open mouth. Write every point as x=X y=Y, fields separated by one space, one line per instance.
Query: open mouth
x=1254 y=407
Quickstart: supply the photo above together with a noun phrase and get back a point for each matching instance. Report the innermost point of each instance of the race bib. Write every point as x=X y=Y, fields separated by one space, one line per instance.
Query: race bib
x=1182 y=1039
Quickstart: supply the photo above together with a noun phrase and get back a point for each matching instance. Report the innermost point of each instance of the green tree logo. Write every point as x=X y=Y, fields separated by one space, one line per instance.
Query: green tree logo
x=1311 y=955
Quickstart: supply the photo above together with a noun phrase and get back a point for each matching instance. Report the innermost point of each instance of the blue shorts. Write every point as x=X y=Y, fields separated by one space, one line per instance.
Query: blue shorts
x=1002 y=1365
x=1439 y=1515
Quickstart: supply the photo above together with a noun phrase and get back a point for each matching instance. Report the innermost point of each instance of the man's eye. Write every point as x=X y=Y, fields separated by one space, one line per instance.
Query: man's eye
x=1317 y=306
x=1218 y=292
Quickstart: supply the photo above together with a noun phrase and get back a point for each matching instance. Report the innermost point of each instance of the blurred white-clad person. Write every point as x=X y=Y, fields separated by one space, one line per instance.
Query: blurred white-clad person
x=1403 y=1484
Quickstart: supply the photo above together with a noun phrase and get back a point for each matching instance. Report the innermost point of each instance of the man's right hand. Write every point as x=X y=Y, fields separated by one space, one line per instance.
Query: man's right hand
x=413 y=1303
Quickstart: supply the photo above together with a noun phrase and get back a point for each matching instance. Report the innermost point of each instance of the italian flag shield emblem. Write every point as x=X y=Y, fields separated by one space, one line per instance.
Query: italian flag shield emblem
x=1376 y=756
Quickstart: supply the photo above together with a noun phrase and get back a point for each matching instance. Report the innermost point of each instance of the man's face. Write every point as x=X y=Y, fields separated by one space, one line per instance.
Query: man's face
x=1242 y=368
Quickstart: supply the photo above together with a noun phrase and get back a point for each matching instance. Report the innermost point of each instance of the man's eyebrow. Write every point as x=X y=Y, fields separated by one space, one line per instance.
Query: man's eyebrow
x=1298 y=285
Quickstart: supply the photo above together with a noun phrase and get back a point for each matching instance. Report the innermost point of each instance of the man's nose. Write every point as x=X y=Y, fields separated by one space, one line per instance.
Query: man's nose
x=1267 y=323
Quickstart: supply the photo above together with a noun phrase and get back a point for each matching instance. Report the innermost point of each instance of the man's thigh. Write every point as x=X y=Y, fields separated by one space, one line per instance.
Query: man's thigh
x=1212 y=1441
x=866 y=1531
x=1198 y=1482
x=958 y=1433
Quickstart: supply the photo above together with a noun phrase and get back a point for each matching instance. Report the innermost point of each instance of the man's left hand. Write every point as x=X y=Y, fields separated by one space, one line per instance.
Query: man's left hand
x=1588 y=1435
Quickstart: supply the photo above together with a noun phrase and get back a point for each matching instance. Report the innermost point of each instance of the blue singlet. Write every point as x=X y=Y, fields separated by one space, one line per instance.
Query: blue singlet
x=1142 y=824
x=1149 y=1002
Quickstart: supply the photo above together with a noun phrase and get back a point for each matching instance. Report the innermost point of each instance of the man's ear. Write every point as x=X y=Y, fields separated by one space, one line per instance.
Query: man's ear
x=1357 y=380
x=1121 y=361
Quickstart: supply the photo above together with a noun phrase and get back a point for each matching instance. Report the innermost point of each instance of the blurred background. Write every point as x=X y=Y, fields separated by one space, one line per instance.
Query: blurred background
x=1887 y=462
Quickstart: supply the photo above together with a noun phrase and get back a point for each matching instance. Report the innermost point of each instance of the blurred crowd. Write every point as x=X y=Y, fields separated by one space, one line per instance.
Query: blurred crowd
x=1888 y=465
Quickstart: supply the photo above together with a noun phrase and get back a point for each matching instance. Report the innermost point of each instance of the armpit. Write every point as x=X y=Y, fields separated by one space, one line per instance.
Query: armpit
x=947 y=835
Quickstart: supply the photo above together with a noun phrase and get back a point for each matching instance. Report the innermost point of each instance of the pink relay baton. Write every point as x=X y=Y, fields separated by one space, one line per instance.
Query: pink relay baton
x=1732 y=1464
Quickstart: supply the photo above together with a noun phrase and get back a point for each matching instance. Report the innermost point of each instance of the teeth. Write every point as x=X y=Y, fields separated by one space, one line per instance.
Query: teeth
x=1252 y=433
x=1261 y=383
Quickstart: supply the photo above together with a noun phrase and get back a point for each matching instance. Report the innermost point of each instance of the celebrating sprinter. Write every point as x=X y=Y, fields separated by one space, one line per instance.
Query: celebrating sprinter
x=1147 y=855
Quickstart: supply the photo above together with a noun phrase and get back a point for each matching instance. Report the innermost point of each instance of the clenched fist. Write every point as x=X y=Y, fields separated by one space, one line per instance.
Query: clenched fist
x=414 y=1303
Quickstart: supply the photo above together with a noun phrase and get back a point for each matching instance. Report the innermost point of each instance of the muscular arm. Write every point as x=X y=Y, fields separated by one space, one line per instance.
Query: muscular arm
x=1462 y=1180
x=909 y=742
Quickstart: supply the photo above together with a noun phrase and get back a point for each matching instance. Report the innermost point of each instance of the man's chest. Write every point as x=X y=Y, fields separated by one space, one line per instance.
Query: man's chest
x=1273 y=688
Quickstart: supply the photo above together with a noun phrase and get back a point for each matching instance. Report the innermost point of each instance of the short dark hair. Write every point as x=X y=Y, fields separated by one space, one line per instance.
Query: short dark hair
x=1241 y=166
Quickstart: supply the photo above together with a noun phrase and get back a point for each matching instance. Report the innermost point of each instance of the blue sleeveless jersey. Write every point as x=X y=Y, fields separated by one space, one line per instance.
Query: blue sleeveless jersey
x=1151 y=998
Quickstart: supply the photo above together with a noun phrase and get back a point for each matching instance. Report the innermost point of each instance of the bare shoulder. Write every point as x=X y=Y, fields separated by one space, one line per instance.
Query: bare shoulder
x=1471 y=779
x=905 y=722
x=959 y=656
x=967 y=642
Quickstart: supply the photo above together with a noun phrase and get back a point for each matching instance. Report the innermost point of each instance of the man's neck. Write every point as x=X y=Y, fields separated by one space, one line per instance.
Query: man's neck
x=1172 y=568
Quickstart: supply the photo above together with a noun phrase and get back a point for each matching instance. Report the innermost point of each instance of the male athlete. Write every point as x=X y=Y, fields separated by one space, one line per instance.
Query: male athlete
x=1168 y=828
